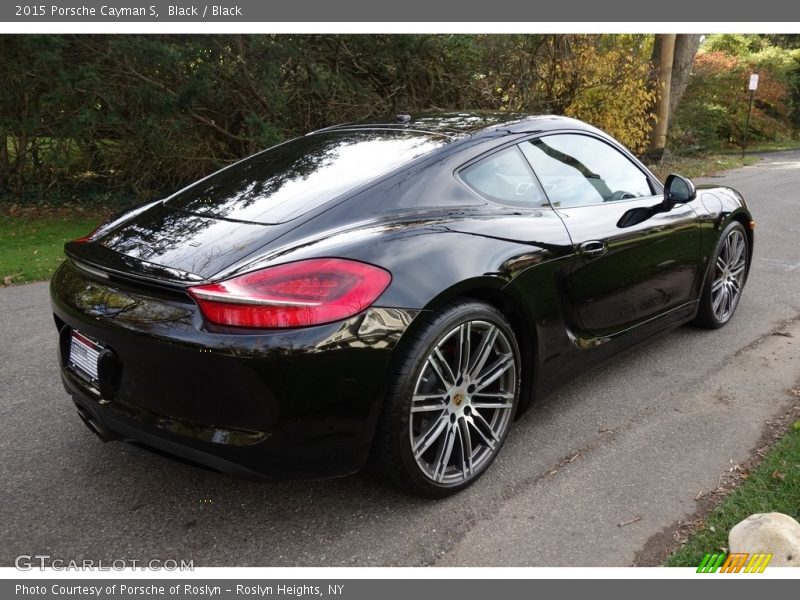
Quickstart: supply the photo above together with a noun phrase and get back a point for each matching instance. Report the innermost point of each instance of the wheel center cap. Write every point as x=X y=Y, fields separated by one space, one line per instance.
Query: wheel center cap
x=459 y=398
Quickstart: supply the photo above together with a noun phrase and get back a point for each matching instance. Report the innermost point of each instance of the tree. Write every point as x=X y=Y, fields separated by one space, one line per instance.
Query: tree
x=143 y=115
x=713 y=111
x=663 y=50
x=670 y=82
x=686 y=46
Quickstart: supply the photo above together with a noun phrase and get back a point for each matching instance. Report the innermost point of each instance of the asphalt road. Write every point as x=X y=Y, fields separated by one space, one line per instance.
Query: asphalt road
x=644 y=433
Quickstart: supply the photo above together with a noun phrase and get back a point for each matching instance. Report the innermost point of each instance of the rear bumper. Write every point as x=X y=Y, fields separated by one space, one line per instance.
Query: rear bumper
x=282 y=404
x=110 y=425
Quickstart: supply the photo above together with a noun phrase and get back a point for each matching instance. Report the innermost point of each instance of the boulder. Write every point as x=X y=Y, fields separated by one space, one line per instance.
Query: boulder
x=776 y=533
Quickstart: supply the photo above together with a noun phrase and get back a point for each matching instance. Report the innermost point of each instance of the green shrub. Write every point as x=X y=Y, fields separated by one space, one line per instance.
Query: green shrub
x=144 y=115
x=713 y=111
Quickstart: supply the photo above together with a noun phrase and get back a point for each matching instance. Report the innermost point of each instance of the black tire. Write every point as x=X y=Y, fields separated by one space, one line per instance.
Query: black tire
x=709 y=315
x=444 y=330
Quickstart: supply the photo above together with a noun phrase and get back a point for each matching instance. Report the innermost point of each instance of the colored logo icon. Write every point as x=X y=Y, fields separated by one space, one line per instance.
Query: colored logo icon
x=735 y=563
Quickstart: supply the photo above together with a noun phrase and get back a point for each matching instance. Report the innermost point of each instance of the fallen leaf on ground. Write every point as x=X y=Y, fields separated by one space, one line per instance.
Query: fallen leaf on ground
x=778 y=475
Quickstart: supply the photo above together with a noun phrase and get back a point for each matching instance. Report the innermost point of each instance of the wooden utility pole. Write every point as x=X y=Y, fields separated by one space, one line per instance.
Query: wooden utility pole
x=666 y=45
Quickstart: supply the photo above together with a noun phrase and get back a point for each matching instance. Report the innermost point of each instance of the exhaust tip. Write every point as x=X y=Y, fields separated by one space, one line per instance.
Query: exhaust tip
x=95 y=426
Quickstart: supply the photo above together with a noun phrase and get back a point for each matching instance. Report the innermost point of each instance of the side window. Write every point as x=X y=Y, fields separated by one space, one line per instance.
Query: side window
x=576 y=170
x=504 y=177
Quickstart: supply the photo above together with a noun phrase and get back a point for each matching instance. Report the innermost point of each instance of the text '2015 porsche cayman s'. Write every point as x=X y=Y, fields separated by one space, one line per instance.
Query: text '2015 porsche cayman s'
x=391 y=292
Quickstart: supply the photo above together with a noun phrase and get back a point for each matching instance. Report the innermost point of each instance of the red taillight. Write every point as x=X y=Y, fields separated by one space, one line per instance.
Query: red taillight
x=86 y=238
x=298 y=294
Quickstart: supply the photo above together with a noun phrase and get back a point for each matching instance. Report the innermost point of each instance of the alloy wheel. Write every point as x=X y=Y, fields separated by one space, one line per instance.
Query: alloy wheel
x=463 y=402
x=729 y=272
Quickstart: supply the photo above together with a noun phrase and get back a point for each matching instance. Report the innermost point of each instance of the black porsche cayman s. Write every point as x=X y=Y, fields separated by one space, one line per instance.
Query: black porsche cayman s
x=394 y=292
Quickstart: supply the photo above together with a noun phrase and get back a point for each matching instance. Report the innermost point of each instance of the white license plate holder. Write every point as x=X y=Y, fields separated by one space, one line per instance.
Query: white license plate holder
x=83 y=357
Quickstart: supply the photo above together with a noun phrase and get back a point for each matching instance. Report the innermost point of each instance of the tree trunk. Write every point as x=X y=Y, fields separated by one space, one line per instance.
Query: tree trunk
x=20 y=156
x=684 y=51
x=665 y=44
x=686 y=46
x=4 y=165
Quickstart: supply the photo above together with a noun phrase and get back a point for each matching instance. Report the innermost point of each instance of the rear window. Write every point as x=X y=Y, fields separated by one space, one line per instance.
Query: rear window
x=286 y=181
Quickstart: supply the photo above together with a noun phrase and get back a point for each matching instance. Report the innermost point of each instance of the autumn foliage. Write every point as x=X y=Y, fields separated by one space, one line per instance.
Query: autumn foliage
x=714 y=108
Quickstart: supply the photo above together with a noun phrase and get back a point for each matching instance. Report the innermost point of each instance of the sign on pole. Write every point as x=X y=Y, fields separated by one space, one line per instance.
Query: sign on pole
x=752 y=87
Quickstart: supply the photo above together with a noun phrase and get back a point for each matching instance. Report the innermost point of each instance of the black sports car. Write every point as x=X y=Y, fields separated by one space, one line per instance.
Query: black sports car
x=397 y=292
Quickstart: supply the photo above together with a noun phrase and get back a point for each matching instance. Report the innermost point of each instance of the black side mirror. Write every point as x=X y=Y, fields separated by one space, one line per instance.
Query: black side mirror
x=678 y=190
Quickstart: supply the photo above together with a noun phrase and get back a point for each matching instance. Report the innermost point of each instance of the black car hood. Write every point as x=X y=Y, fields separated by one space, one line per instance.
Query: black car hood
x=174 y=245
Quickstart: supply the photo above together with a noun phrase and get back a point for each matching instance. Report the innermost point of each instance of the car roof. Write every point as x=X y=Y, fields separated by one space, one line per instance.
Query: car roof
x=460 y=124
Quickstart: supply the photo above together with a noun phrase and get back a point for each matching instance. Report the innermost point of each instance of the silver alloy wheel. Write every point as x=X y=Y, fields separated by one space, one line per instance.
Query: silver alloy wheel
x=726 y=288
x=462 y=402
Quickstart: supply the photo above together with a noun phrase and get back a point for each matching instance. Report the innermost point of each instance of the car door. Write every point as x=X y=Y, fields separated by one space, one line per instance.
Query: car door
x=636 y=260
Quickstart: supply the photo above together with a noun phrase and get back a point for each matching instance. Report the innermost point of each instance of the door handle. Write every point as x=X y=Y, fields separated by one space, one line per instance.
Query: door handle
x=593 y=249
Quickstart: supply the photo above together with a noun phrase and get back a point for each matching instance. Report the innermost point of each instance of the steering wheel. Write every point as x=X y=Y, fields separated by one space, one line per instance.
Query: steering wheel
x=523 y=188
x=619 y=195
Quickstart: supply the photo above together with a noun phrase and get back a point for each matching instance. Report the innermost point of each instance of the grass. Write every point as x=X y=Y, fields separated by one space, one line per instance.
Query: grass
x=773 y=486
x=32 y=241
x=776 y=146
x=705 y=165
x=700 y=166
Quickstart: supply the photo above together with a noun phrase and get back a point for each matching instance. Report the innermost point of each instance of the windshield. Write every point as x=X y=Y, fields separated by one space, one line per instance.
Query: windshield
x=286 y=181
